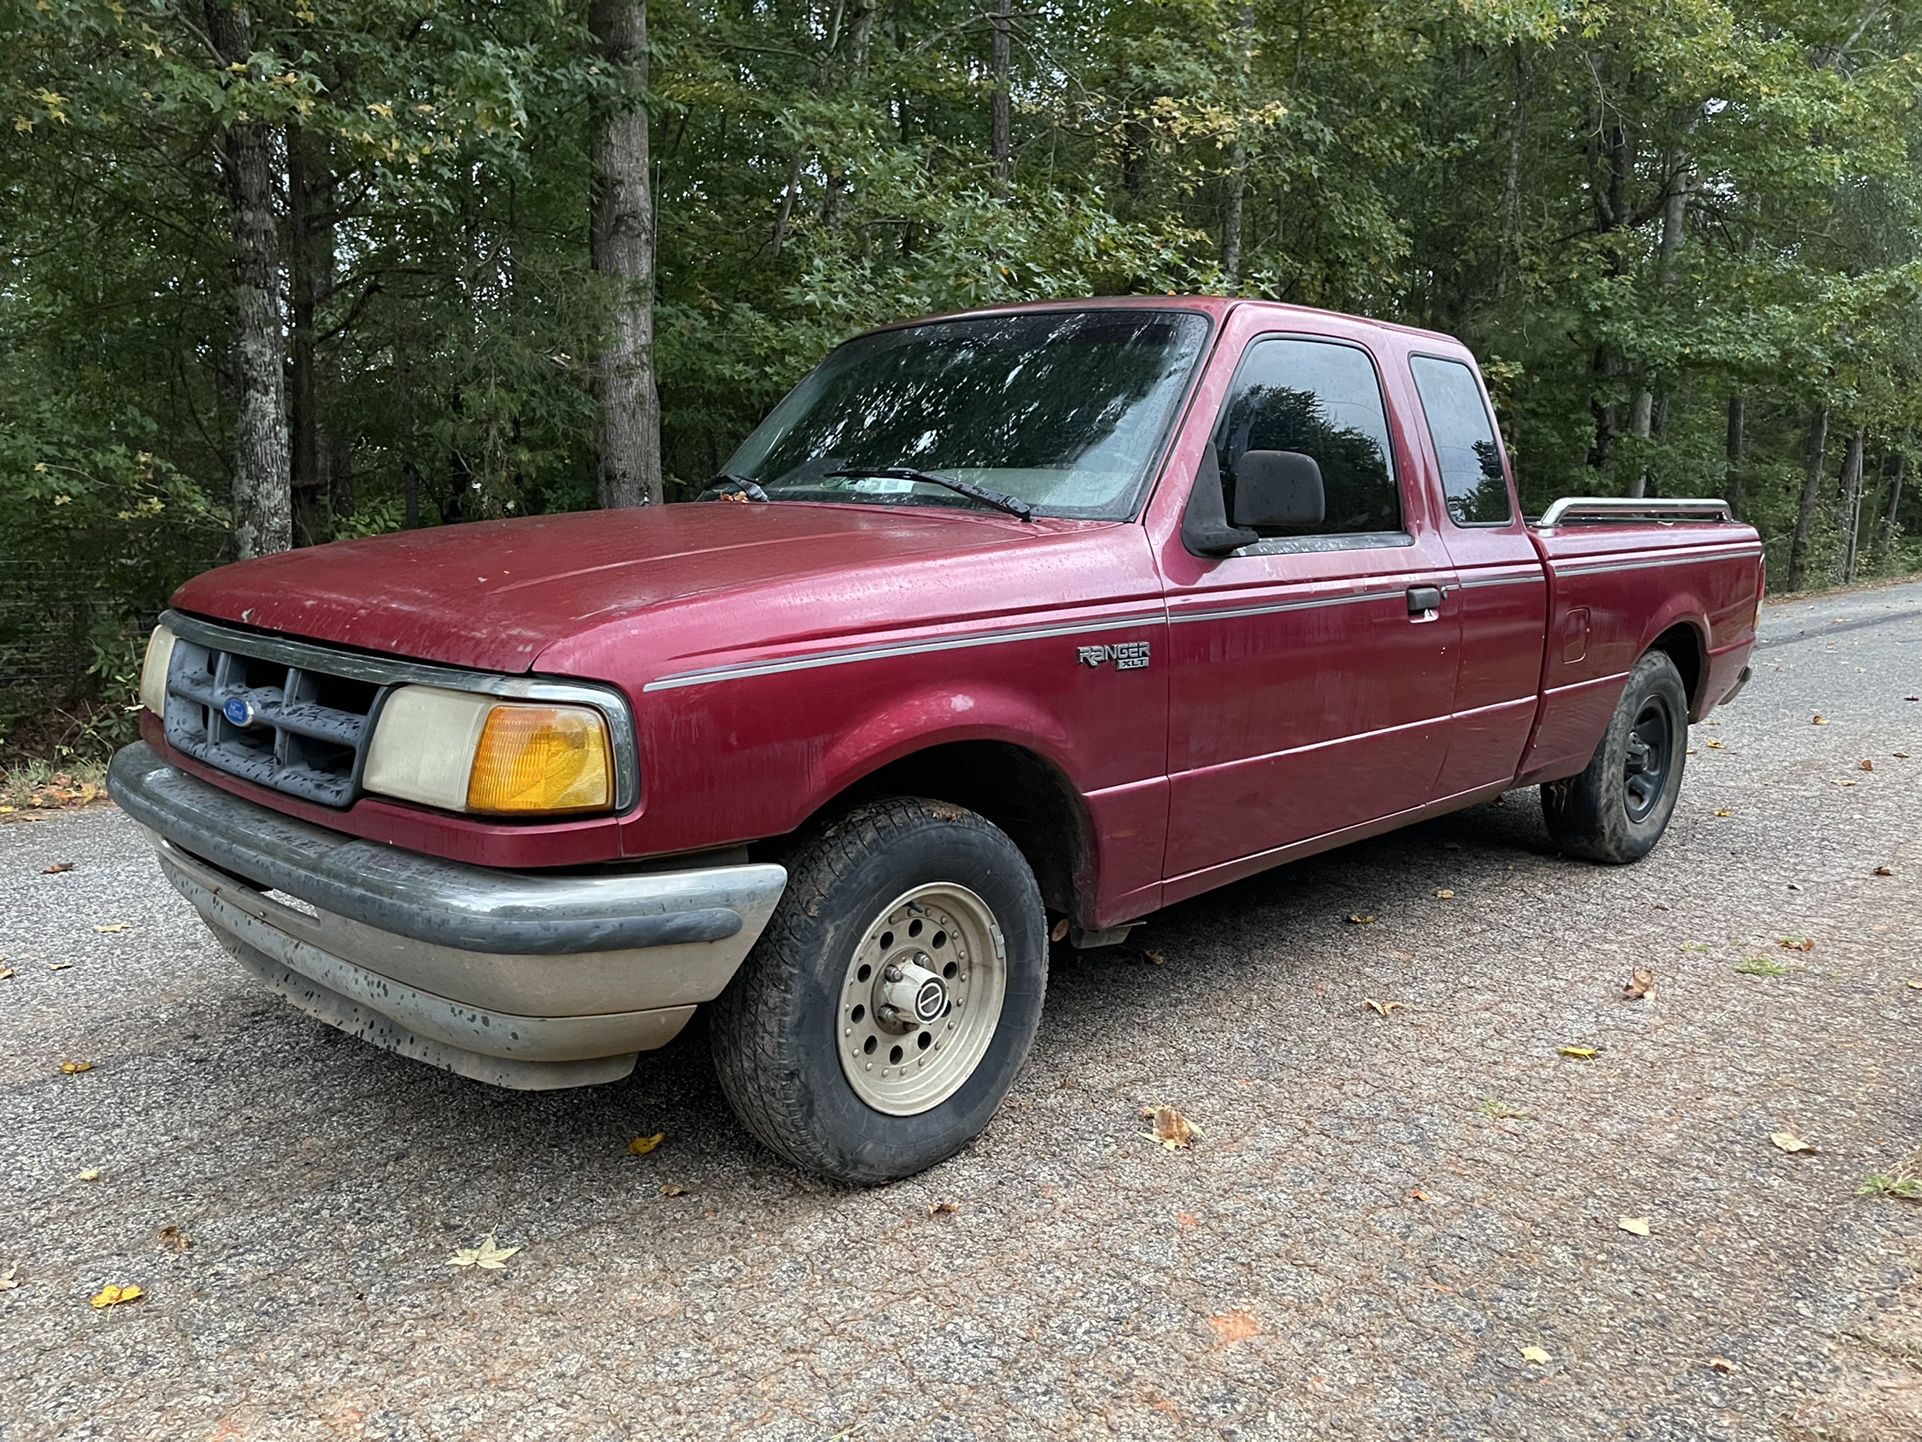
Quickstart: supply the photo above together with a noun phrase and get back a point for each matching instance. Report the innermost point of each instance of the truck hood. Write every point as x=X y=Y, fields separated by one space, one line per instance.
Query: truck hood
x=494 y=594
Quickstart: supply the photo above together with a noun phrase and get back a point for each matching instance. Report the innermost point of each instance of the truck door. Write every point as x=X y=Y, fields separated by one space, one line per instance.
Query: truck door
x=1502 y=590
x=1312 y=673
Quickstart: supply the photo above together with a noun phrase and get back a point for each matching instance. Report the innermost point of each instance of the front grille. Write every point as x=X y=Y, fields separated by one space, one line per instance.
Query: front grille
x=297 y=729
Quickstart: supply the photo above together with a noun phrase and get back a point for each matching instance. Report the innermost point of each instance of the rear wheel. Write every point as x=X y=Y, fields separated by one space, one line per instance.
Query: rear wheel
x=883 y=1015
x=1618 y=808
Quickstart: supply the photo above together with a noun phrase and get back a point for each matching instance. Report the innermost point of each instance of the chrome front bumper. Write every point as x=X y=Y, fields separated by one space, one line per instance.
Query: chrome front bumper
x=518 y=979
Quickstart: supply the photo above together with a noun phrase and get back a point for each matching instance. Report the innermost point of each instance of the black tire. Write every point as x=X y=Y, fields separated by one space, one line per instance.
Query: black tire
x=776 y=1030
x=1618 y=808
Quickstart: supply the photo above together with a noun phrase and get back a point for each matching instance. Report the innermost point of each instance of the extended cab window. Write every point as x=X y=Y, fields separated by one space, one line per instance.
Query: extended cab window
x=1322 y=399
x=1471 y=458
x=1064 y=409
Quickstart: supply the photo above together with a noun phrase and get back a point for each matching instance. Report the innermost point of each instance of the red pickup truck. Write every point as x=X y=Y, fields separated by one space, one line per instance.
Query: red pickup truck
x=1003 y=626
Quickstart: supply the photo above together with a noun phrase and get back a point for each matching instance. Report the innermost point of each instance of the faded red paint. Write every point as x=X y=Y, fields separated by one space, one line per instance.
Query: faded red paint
x=1246 y=741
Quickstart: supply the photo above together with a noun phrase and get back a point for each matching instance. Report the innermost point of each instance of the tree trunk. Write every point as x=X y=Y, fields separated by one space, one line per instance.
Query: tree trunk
x=310 y=273
x=1001 y=122
x=1512 y=177
x=1674 y=213
x=1231 y=217
x=1851 y=507
x=1811 y=494
x=1237 y=189
x=261 y=501
x=1886 y=532
x=629 y=429
x=1737 y=448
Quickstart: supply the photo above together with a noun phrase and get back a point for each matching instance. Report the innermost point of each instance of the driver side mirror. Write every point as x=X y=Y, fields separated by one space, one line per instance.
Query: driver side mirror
x=1278 y=491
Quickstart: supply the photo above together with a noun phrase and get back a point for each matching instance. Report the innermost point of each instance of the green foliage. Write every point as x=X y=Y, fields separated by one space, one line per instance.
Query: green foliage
x=1506 y=170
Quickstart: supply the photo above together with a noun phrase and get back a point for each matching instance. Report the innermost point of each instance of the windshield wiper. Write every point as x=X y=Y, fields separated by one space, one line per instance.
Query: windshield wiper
x=1000 y=500
x=725 y=487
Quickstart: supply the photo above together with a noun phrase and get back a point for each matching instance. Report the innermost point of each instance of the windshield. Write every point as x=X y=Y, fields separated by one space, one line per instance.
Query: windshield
x=1065 y=410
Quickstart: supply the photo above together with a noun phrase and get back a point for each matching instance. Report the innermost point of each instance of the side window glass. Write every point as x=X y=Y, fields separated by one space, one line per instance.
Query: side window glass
x=1323 y=400
x=1471 y=459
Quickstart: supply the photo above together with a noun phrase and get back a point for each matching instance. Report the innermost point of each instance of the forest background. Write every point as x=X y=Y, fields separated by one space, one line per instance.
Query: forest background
x=279 y=271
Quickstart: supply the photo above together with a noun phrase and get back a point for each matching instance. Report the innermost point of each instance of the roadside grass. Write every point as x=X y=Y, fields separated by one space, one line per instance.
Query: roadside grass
x=1764 y=966
x=42 y=786
x=1902 y=1184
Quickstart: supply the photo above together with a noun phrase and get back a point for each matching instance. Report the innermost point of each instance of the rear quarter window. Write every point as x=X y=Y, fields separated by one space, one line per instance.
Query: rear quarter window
x=1465 y=444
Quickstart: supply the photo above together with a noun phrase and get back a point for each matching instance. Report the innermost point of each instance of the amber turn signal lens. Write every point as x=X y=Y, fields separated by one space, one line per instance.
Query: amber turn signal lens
x=534 y=759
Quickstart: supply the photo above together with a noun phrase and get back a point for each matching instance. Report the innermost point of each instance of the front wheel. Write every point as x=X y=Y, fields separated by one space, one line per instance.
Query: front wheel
x=882 y=1017
x=1618 y=808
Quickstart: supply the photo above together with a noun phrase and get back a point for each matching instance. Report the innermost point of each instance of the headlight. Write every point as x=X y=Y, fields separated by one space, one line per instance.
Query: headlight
x=153 y=671
x=467 y=752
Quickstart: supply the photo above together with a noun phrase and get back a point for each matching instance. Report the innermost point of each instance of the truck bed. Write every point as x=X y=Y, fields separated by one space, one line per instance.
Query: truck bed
x=1602 y=616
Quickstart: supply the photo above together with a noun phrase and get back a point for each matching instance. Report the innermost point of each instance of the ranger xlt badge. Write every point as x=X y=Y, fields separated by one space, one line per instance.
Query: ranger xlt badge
x=1126 y=655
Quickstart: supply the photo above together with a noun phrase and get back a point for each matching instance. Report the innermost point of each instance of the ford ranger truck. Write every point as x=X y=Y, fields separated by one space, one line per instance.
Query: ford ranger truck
x=1003 y=626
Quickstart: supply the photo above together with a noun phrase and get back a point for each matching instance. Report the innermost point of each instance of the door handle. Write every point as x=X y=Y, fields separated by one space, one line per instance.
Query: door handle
x=1424 y=602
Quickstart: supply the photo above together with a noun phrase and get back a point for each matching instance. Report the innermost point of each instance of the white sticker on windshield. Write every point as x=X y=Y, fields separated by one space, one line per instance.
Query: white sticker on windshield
x=883 y=485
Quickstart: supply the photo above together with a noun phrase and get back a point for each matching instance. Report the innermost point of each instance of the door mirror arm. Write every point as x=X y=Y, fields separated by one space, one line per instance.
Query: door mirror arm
x=1204 y=523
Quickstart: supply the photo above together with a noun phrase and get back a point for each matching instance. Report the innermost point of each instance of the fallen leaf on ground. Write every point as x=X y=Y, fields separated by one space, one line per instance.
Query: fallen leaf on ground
x=1867 y=765
x=6 y=973
x=1356 y=918
x=115 y=1293
x=1416 y=1194
x=1172 y=1129
x=1444 y=894
x=9 y=1279
x=1884 y=871
x=1721 y=1364
x=91 y=1174
x=1637 y=1225
x=1723 y=812
x=641 y=1146
x=1796 y=943
x=1385 y=1008
x=114 y=926
x=1845 y=783
x=1580 y=1053
x=1790 y=1142
x=1640 y=983
x=174 y=1239
x=1153 y=957
x=1915 y=986
x=943 y=1209
x=56 y=868
x=74 y=1068
x=58 y=965
x=489 y=1255
x=1818 y=720
x=1713 y=744
x=673 y=1189
x=1537 y=1356
x=1060 y=932
x=1233 y=1327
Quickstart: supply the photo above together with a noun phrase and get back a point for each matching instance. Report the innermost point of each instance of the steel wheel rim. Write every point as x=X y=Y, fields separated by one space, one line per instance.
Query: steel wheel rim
x=921 y=999
x=1649 y=756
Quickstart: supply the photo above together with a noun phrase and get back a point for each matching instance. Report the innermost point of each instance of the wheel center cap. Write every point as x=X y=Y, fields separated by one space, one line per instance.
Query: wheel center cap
x=931 y=1000
x=912 y=993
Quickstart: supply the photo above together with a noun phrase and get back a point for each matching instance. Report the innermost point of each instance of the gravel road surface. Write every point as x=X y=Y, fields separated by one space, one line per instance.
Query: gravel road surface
x=1382 y=1216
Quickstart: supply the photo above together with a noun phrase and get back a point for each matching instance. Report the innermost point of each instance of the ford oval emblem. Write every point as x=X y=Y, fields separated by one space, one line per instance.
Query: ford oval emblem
x=239 y=710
